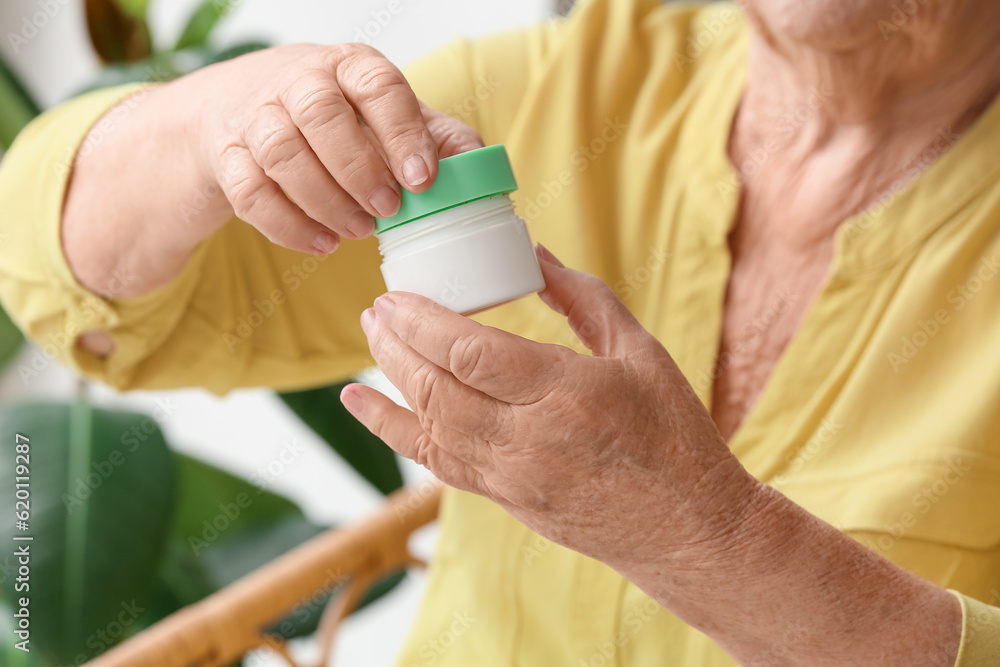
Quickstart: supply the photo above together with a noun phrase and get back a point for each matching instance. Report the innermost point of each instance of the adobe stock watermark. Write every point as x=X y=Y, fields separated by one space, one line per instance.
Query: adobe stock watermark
x=308 y=607
x=606 y=651
x=580 y=161
x=696 y=43
x=922 y=502
x=91 y=312
x=32 y=25
x=109 y=123
x=263 y=308
x=105 y=638
x=229 y=513
x=435 y=647
x=912 y=169
x=416 y=499
x=639 y=277
x=983 y=620
x=100 y=471
x=484 y=89
x=380 y=20
x=926 y=329
x=538 y=547
x=625 y=288
x=902 y=12
x=45 y=351
x=785 y=130
x=824 y=435
x=750 y=331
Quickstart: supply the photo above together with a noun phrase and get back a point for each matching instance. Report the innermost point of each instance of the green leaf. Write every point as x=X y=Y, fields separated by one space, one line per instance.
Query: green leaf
x=322 y=410
x=212 y=503
x=17 y=108
x=10 y=337
x=135 y=8
x=235 y=52
x=117 y=36
x=181 y=581
x=213 y=511
x=159 y=68
x=240 y=555
x=199 y=27
x=101 y=486
x=237 y=527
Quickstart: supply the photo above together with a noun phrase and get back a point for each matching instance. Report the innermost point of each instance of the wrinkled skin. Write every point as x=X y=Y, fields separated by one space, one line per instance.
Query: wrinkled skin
x=581 y=449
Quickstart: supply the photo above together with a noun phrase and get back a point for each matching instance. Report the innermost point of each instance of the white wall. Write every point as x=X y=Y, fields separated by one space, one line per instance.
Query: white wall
x=248 y=429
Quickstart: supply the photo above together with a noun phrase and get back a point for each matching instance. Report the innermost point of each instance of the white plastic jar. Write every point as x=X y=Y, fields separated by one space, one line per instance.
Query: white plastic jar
x=460 y=243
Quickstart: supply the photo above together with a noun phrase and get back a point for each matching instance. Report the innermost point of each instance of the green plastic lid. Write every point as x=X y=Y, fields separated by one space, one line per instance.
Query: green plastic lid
x=478 y=174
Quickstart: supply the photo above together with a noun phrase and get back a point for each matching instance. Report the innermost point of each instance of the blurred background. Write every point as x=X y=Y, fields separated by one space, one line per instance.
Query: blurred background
x=249 y=432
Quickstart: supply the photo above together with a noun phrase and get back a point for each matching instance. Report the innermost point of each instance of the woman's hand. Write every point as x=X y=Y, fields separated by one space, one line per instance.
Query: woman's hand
x=335 y=128
x=306 y=143
x=612 y=455
x=615 y=457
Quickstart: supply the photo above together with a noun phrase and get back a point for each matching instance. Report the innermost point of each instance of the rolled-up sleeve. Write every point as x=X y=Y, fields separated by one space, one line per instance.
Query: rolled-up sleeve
x=243 y=312
x=37 y=287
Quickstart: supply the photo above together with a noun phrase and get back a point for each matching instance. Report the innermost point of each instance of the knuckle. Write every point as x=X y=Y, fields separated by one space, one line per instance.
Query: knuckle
x=331 y=55
x=358 y=164
x=279 y=232
x=246 y=194
x=424 y=381
x=492 y=424
x=319 y=105
x=423 y=449
x=361 y=173
x=594 y=283
x=378 y=423
x=409 y=134
x=466 y=358
x=373 y=78
x=434 y=429
x=277 y=149
x=335 y=54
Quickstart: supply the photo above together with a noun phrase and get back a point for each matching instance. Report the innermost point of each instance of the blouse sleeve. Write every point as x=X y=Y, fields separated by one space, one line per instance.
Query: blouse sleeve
x=243 y=312
x=980 y=645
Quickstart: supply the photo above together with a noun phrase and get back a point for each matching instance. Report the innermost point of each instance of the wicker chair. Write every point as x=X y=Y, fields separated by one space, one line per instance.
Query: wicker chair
x=223 y=627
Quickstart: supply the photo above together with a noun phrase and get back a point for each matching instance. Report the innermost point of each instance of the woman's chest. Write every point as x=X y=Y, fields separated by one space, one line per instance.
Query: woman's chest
x=768 y=293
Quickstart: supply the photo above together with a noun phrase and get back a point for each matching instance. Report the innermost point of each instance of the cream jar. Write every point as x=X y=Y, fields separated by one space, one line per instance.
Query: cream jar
x=460 y=243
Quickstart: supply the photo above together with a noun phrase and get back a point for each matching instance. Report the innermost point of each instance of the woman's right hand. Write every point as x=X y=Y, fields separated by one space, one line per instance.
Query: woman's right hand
x=307 y=143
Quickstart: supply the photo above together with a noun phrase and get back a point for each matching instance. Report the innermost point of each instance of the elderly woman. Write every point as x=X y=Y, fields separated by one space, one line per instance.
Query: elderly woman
x=784 y=448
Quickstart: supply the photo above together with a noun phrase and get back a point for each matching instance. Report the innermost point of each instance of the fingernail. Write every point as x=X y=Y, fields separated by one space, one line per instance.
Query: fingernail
x=415 y=171
x=385 y=201
x=367 y=320
x=352 y=400
x=385 y=305
x=546 y=255
x=361 y=225
x=326 y=243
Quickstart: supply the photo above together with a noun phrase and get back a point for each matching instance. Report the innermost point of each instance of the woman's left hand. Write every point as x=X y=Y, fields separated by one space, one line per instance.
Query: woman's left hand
x=612 y=455
x=615 y=457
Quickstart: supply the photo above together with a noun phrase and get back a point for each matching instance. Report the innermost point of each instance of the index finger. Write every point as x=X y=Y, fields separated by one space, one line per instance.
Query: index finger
x=384 y=99
x=509 y=368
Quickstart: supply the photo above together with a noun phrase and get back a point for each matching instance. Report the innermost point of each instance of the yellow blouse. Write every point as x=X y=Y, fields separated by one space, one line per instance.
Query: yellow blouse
x=882 y=416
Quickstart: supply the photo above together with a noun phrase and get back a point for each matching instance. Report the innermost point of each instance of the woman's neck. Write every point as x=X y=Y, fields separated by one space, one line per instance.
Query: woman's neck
x=843 y=95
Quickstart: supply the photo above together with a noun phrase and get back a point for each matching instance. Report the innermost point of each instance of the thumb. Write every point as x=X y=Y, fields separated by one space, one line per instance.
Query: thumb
x=452 y=135
x=595 y=313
